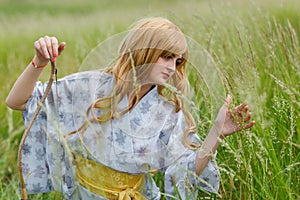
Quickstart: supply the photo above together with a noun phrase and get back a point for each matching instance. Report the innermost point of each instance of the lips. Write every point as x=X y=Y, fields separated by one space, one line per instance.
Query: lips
x=165 y=75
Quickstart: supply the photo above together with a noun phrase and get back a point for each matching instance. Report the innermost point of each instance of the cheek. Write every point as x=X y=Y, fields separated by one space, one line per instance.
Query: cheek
x=156 y=67
x=160 y=61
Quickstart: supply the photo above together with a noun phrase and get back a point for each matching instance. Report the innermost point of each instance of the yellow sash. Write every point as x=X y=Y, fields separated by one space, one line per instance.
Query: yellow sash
x=108 y=182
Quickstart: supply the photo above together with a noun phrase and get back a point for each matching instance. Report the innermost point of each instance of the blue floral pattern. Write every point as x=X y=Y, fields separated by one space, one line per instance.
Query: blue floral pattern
x=146 y=138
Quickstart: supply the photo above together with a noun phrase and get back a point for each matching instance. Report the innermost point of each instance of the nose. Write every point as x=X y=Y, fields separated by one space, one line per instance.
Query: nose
x=172 y=65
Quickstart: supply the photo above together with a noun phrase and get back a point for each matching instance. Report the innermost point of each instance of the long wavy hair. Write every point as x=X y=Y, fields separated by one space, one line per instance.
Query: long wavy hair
x=147 y=40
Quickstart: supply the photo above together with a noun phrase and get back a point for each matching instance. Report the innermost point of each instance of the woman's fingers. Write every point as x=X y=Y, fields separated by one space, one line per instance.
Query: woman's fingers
x=47 y=48
x=42 y=47
x=241 y=115
x=242 y=107
x=54 y=49
x=250 y=125
x=248 y=116
x=38 y=48
x=237 y=118
x=228 y=100
x=61 y=47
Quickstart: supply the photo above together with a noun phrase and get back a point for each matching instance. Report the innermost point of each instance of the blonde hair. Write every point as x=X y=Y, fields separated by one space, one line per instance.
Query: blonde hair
x=147 y=40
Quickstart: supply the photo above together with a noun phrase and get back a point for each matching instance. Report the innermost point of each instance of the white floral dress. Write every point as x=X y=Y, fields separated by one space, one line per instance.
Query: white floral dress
x=146 y=138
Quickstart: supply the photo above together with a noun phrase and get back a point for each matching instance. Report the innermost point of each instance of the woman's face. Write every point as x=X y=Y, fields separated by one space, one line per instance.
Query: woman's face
x=164 y=68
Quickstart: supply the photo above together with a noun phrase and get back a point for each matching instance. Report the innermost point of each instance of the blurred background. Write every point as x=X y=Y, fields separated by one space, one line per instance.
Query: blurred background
x=254 y=47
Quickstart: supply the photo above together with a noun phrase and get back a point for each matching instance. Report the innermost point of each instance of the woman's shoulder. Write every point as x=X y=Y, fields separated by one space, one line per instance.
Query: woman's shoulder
x=89 y=75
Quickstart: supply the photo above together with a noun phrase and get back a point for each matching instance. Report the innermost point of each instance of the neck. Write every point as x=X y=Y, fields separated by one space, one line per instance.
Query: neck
x=144 y=90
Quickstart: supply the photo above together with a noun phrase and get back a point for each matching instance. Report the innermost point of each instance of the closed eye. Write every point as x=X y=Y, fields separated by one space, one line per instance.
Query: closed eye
x=170 y=57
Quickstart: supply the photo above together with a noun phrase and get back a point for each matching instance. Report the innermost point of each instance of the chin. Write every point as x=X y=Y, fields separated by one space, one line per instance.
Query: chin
x=161 y=82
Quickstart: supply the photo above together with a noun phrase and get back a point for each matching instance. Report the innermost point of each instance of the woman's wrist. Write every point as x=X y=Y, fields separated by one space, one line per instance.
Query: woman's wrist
x=211 y=143
x=37 y=64
x=204 y=153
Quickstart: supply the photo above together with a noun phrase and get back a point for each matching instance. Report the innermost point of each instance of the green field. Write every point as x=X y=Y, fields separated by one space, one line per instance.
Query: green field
x=253 y=45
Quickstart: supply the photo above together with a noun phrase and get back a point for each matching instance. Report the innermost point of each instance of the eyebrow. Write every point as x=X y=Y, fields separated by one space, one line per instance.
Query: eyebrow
x=174 y=55
x=180 y=56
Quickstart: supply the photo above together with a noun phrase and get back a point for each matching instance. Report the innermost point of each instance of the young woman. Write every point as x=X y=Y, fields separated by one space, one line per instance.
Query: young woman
x=102 y=134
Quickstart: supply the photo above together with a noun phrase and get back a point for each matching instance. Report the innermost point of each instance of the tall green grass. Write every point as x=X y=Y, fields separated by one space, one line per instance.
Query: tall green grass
x=254 y=45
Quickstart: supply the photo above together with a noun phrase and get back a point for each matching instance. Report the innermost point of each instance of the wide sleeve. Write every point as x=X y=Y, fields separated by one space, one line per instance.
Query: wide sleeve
x=34 y=164
x=180 y=177
x=45 y=160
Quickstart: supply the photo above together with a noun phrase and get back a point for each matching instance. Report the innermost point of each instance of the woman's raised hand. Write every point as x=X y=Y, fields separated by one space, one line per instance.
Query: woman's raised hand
x=229 y=121
x=47 y=48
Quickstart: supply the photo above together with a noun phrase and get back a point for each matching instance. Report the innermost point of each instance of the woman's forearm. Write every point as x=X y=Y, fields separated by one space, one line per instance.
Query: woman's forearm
x=23 y=87
x=226 y=123
x=45 y=48
x=207 y=149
